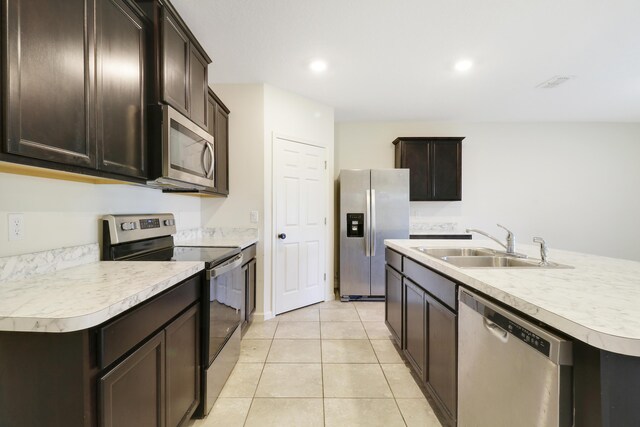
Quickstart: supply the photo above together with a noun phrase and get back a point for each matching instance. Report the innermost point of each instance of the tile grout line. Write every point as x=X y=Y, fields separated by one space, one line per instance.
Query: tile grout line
x=246 y=418
x=324 y=408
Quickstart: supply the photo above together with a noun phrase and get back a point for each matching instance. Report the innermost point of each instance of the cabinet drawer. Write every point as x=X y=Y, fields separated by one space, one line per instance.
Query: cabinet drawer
x=438 y=286
x=121 y=335
x=393 y=258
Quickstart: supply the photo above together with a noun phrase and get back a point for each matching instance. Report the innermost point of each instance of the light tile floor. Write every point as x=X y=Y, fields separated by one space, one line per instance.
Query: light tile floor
x=330 y=364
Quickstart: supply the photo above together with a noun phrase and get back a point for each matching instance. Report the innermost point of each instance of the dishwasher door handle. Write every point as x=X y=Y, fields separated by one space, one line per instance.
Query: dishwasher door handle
x=496 y=330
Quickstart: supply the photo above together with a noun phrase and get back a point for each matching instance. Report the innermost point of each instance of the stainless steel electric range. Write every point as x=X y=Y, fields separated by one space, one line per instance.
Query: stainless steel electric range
x=150 y=238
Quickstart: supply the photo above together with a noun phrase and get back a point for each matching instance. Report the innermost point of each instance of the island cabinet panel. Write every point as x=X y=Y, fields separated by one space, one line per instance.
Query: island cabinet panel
x=393 y=303
x=415 y=310
x=48 y=63
x=120 y=88
x=442 y=356
x=133 y=393
x=427 y=307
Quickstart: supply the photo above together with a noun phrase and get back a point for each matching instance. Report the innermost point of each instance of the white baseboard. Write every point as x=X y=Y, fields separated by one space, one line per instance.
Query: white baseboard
x=261 y=317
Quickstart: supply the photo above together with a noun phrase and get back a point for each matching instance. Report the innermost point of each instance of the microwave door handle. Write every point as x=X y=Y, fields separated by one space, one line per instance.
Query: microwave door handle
x=210 y=170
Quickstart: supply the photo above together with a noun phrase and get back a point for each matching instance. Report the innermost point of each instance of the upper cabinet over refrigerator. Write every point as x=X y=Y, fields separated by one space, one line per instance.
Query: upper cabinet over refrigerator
x=374 y=206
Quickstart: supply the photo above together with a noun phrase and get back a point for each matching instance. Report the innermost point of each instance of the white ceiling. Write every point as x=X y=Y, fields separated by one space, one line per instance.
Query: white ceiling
x=393 y=59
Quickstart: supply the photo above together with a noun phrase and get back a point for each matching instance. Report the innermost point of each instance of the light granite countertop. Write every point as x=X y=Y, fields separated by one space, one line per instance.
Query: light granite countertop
x=597 y=302
x=226 y=241
x=82 y=297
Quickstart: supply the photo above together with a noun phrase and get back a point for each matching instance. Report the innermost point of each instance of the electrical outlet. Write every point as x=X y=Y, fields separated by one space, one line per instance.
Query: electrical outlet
x=15 y=226
x=253 y=217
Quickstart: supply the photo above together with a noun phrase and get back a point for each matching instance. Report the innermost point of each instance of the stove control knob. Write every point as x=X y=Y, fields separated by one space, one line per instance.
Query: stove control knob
x=169 y=222
x=127 y=226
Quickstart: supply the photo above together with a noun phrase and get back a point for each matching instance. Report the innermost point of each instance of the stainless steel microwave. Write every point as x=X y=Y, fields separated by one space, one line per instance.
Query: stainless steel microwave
x=187 y=158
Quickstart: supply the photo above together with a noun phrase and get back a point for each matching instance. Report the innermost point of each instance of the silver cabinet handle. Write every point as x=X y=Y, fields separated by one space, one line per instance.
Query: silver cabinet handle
x=210 y=170
x=367 y=226
x=373 y=222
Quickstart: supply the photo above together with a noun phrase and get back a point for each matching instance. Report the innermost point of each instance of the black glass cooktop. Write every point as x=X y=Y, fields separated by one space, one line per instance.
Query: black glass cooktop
x=211 y=256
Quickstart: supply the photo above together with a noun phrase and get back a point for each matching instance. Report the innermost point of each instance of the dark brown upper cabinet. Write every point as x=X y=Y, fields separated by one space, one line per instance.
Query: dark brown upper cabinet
x=175 y=63
x=120 y=89
x=75 y=78
x=49 y=81
x=219 y=128
x=435 y=165
x=179 y=61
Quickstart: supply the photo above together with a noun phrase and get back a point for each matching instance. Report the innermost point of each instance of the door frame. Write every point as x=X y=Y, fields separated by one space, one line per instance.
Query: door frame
x=274 y=194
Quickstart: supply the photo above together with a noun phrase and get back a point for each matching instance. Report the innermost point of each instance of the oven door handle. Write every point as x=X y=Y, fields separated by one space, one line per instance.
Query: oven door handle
x=226 y=267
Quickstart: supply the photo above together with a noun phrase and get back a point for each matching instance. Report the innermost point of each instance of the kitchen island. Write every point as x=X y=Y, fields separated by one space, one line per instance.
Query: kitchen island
x=595 y=304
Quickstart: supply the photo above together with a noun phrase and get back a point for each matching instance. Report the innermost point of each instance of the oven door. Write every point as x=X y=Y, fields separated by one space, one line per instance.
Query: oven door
x=226 y=303
x=187 y=150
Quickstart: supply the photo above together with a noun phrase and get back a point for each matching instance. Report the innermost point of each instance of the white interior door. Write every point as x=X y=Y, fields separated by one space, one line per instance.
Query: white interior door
x=300 y=231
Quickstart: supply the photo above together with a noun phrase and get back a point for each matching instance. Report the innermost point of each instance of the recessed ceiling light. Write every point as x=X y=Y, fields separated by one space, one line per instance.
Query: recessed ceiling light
x=318 y=66
x=463 y=65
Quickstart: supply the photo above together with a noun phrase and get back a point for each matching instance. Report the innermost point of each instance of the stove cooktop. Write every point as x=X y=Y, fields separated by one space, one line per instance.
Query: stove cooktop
x=212 y=256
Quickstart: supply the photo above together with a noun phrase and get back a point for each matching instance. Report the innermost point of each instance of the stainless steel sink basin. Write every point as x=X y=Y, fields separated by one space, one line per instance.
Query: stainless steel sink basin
x=498 y=262
x=464 y=252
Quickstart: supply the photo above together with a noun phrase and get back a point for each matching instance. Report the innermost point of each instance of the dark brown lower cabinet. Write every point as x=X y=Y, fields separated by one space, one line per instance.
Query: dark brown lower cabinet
x=421 y=311
x=415 y=326
x=183 y=366
x=133 y=393
x=139 y=369
x=158 y=384
x=249 y=272
x=393 y=303
x=442 y=356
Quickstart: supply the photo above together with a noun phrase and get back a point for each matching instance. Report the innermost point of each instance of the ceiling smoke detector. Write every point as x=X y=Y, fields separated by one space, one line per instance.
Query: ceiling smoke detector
x=555 y=81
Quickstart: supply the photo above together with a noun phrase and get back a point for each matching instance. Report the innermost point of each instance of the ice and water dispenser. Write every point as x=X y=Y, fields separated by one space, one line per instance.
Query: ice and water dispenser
x=355 y=225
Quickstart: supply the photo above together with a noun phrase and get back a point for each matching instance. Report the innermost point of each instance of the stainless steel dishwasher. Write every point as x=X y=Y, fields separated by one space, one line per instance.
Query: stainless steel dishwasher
x=510 y=371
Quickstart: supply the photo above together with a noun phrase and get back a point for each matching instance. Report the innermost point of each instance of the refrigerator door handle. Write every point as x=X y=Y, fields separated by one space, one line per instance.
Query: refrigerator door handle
x=373 y=223
x=367 y=225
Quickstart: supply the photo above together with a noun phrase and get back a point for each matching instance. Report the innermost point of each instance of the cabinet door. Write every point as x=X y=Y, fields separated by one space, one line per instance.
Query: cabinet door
x=120 y=130
x=132 y=394
x=415 y=327
x=183 y=366
x=198 y=88
x=48 y=79
x=416 y=156
x=446 y=165
x=442 y=356
x=221 y=142
x=393 y=303
x=251 y=307
x=175 y=60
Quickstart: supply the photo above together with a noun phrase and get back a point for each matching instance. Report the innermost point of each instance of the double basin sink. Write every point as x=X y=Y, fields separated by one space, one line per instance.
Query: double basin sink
x=484 y=258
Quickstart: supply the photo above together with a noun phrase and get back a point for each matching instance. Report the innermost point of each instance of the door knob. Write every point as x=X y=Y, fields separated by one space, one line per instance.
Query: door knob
x=282 y=236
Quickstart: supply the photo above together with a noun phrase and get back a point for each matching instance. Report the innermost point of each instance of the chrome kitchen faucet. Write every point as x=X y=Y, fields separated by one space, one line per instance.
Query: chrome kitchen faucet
x=509 y=247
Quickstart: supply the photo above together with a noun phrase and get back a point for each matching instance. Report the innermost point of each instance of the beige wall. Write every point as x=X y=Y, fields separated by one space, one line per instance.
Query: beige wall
x=63 y=213
x=258 y=112
x=574 y=184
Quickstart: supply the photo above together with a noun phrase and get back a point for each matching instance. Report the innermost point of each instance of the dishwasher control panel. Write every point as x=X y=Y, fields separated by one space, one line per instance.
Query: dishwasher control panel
x=520 y=332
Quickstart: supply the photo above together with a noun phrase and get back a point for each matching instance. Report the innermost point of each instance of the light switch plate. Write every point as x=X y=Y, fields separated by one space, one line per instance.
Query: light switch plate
x=15 y=225
x=253 y=217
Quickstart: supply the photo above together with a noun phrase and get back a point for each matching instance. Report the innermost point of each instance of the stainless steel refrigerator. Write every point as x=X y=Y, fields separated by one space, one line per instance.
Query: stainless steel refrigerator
x=374 y=206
